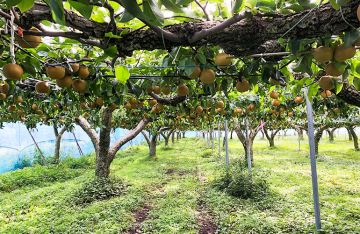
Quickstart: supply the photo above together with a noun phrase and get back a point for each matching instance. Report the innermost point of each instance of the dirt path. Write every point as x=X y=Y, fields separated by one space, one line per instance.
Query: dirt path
x=142 y=214
x=205 y=218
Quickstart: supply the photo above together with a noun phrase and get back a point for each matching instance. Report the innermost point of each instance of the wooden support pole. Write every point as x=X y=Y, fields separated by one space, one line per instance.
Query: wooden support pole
x=79 y=148
x=39 y=150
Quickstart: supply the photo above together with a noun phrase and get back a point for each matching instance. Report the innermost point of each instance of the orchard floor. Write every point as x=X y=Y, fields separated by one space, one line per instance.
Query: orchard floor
x=173 y=193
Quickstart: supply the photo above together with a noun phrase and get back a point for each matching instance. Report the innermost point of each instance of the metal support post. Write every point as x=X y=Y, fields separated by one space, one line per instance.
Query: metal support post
x=226 y=145
x=313 y=162
x=248 y=145
x=219 y=139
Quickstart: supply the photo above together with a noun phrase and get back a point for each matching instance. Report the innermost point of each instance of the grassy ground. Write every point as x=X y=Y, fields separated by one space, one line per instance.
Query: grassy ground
x=175 y=189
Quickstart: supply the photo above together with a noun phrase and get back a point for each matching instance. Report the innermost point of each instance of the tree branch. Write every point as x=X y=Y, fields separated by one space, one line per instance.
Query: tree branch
x=131 y=135
x=168 y=101
x=218 y=28
x=146 y=137
x=84 y=124
x=203 y=8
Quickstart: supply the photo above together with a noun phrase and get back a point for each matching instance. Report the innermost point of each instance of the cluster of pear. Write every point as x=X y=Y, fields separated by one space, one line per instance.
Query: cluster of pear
x=324 y=54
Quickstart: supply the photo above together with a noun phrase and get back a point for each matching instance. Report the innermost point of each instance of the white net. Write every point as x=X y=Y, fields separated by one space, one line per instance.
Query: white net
x=17 y=148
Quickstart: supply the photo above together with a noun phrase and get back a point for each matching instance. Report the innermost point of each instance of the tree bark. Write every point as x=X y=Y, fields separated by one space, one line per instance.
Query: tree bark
x=254 y=30
x=349 y=133
x=153 y=145
x=331 y=134
x=231 y=133
x=167 y=136
x=271 y=137
x=104 y=155
x=355 y=138
x=146 y=137
x=57 y=143
x=173 y=138
x=317 y=138
x=301 y=134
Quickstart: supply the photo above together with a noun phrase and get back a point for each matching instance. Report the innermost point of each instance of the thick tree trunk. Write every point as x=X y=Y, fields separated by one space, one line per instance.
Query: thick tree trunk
x=271 y=137
x=331 y=134
x=173 y=138
x=104 y=156
x=183 y=134
x=153 y=145
x=355 y=138
x=349 y=133
x=102 y=168
x=57 y=143
x=317 y=138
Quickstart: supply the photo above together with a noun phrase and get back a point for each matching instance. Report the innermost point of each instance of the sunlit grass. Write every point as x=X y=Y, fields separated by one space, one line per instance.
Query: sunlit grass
x=178 y=177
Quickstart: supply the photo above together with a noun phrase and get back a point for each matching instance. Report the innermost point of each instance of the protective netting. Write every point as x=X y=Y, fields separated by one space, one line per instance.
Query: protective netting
x=17 y=148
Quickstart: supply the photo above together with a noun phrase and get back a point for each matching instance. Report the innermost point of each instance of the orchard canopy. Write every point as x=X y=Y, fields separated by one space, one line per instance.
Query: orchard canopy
x=178 y=64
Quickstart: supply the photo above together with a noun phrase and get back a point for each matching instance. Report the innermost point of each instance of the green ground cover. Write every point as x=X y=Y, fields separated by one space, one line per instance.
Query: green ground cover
x=177 y=187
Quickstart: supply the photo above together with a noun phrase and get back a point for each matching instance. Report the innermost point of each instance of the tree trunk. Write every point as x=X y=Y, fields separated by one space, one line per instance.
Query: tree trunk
x=317 y=138
x=331 y=134
x=284 y=133
x=173 y=138
x=350 y=134
x=231 y=133
x=183 y=134
x=301 y=134
x=355 y=138
x=57 y=143
x=104 y=155
x=102 y=168
x=153 y=145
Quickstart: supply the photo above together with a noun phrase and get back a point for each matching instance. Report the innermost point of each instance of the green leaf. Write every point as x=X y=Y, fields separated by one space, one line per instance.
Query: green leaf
x=338 y=86
x=171 y=6
x=350 y=37
x=153 y=12
x=334 y=5
x=340 y=65
x=122 y=74
x=111 y=35
x=126 y=17
x=201 y=58
x=190 y=66
x=313 y=89
x=84 y=10
x=356 y=83
x=133 y=8
x=25 y=5
x=295 y=7
x=111 y=51
x=294 y=47
x=237 y=7
x=57 y=10
x=342 y=2
x=11 y=3
x=267 y=4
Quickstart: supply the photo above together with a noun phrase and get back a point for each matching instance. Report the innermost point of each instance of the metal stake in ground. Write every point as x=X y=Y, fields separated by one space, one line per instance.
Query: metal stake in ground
x=39 y=150
x=298 y=132
x=226 y=145
x=313 y=162
x=212 y=138
x=248 y=144
x=219 y=139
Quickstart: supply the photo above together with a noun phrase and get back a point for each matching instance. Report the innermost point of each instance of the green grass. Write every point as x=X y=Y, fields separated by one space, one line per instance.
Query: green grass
x=180 y=177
